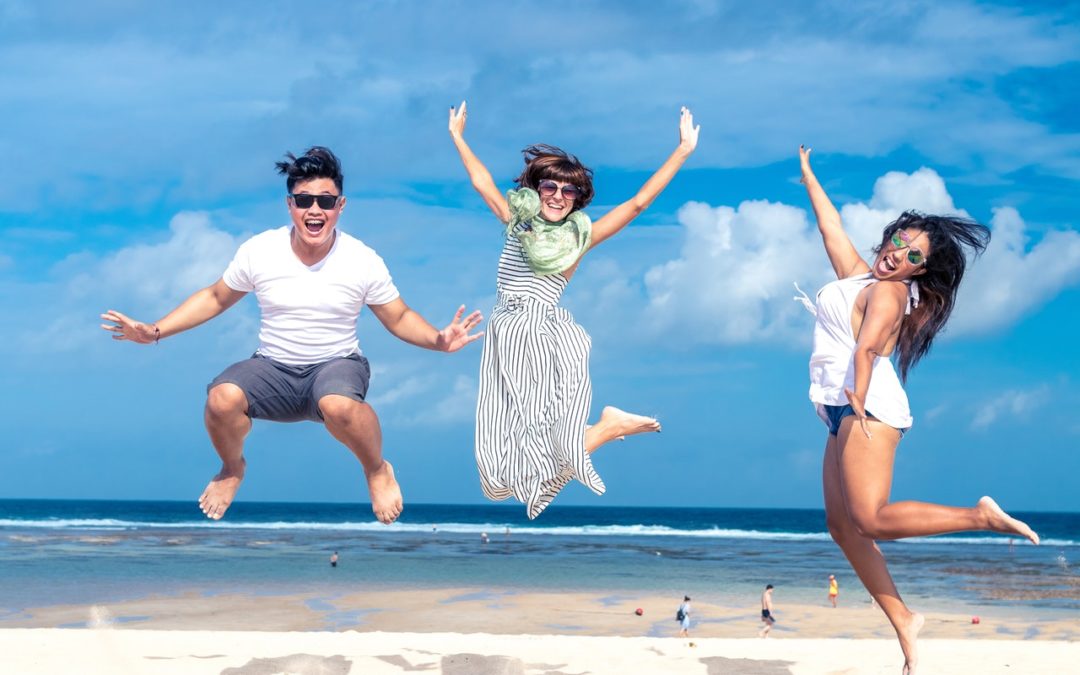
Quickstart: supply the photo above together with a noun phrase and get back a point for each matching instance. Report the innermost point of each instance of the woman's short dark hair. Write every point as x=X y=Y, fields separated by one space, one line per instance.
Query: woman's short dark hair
x=551 y=163
x=317 y=162
x=950 y=239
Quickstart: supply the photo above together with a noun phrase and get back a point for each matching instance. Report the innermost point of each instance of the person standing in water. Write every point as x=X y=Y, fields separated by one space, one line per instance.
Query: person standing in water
x=892 y=308
x=311 y=281
x=834 y=590
x=682 y=615
x=532 y=431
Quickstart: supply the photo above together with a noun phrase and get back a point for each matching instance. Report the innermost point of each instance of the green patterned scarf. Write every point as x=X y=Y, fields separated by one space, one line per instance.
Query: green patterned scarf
x=549 y=247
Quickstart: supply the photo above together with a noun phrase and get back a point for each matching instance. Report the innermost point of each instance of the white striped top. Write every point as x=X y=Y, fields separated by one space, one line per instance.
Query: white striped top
x=535 y=391
x=516 y=278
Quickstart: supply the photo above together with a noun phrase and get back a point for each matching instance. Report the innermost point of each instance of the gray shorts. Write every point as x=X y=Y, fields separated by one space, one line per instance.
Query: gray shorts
x=283 y=393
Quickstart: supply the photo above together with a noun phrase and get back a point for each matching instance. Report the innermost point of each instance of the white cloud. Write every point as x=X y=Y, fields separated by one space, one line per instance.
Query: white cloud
x=458 y=406
x=407 y=389
x=144 y=281
x=1017 y=403
x=732 y=282
x=194 y=256
x=864 y=82
x=1010 y=279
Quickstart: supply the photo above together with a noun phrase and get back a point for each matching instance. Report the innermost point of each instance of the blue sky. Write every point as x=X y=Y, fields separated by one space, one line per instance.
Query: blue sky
x=138 y=148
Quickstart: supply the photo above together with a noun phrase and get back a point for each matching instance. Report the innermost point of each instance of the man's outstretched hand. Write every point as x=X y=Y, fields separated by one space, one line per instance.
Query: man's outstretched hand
x=457 y=334
x=126 y=328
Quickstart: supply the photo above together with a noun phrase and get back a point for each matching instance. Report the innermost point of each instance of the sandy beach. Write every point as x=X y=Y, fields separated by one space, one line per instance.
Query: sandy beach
x=122 y=588
x=261 y=653
x=469 y=630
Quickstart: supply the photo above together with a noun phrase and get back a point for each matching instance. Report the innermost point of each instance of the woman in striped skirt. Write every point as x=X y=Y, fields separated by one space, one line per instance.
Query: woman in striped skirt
x=532 y=431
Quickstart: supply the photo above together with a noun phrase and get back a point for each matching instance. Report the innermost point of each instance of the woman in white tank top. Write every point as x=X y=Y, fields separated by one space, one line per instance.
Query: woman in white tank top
x=871 y=312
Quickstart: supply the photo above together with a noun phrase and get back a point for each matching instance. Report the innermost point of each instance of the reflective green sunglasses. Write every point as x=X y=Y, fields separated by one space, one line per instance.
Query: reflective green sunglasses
x=914 y=255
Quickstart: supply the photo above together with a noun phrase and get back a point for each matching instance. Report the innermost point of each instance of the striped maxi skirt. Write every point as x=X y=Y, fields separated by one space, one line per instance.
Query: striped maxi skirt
x=533 y=405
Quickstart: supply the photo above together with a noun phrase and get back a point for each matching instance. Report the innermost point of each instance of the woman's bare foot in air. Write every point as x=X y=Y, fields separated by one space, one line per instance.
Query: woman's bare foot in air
x=385 y=493
x=999 y=521
x=620 y=423
x=909 y=637
x=219 y=492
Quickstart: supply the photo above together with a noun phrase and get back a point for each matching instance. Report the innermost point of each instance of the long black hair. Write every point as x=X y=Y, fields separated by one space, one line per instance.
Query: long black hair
x=950 y=237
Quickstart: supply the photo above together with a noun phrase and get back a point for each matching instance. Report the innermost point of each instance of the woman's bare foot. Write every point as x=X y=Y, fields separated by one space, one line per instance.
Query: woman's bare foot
x=909 y=637
x=620 y=423
x=999 y=521
x=385 y=493
x=219 y=492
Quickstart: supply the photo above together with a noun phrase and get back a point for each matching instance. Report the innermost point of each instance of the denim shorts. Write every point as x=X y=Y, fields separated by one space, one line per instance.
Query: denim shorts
x=836 y=413
x=282 y=393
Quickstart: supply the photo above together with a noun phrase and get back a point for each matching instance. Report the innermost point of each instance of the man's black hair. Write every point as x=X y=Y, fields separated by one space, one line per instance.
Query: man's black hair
x=317 y=162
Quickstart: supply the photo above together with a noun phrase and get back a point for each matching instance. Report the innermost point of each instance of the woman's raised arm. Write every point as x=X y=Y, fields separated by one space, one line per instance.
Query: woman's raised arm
x=478 y=173
x=621 y=215
x=845 y=260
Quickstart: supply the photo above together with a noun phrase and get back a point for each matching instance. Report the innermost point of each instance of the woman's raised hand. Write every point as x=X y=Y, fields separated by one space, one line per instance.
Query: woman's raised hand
x=804 y=162
x=457 y=120
x=688 y=133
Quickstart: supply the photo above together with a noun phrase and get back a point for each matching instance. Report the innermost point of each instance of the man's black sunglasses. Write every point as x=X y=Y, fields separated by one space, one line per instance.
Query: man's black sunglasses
x=326 y=202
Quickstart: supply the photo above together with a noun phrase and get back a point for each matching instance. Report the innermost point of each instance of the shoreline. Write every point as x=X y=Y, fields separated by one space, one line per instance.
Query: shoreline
x=522 y=611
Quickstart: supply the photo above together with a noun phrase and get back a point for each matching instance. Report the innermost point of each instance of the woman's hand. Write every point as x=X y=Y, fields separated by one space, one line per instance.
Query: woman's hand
x=126 y=328
x=456 y=335
x=804 y=163
x=457 y=121
x=856 y=402
x=688 y=133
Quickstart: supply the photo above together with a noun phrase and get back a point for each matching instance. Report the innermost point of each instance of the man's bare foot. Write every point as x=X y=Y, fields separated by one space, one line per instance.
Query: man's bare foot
x=909 y=637
x=220 y=491
x=385 y=493
x=620 y=423
x=999 y=521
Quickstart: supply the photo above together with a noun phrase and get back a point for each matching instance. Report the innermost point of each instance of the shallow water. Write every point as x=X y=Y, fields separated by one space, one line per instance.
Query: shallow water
x=74 y=552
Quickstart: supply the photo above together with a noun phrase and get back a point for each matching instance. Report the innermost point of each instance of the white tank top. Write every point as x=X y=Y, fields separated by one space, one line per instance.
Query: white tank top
x=832 y=364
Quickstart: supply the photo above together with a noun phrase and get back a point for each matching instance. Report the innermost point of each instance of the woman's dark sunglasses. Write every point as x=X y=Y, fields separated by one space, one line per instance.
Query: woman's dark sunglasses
x=550 y=187
x=326 y=202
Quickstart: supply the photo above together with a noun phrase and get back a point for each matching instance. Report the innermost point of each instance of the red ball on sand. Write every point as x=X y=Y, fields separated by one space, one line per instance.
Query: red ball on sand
x=974 y=619
x=639 y=611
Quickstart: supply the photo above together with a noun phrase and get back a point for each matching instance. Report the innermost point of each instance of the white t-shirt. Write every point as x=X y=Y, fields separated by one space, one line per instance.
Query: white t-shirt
x=309 y=313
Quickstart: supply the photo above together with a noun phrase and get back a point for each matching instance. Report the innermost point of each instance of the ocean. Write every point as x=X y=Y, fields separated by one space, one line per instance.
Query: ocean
x=91 y=552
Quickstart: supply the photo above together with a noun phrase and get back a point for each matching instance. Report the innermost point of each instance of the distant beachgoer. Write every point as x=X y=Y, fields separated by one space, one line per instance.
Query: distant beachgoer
x=766 y=611
x=682 y=615
x=483 y=537
x=311 y=281
x=334 y=559
x=532 y=431
x=895 y=307
x=834 y=590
